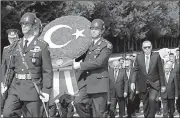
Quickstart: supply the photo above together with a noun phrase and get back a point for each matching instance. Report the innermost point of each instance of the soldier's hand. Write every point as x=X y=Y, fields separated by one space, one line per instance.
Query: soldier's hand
x=76 y=65
x=3 y=88
x=56 y=101
x=125 y=94
x=133 y=86
x=176 y=98
x=44 y=97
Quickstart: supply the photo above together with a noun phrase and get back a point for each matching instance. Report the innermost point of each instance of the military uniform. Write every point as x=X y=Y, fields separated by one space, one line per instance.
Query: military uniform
x=95 y=81
x=22 y=91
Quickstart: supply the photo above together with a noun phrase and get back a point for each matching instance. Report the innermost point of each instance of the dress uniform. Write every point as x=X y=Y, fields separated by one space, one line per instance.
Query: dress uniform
x=95 y=65
x=6 y=61
x=22 y=93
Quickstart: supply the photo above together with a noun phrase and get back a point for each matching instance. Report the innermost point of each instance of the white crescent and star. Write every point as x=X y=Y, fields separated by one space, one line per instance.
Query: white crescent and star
x=47 y=36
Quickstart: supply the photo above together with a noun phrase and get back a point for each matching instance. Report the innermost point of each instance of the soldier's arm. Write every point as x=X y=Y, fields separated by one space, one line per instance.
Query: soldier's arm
x=3 y=64
x=99 y=61
x=47 y=70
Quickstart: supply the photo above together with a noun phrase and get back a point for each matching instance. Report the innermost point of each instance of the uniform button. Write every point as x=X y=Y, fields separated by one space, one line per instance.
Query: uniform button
x=89 y=59
x=102 y=76
x=87 y=72
x=22 y=69
x=89 y=52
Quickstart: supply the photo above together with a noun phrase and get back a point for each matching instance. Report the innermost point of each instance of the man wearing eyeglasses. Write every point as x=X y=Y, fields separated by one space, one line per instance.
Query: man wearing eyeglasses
x=148 y=73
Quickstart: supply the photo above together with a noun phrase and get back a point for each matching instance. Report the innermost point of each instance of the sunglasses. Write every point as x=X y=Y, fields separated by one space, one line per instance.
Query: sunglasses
x=147 y=47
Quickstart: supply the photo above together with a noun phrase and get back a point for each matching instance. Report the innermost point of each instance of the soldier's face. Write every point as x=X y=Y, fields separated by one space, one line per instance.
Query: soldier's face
x=26 y=27
x=95 y=33
x=11 y=40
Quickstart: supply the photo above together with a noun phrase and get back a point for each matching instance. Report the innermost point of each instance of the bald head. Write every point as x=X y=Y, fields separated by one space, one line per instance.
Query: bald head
x=147 y=47
x=116 y=64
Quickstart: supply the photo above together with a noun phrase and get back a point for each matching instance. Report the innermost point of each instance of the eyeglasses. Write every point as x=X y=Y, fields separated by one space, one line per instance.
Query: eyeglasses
x=147 y=47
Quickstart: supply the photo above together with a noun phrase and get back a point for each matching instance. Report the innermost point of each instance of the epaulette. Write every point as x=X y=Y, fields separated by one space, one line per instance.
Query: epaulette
x=109 y=45
x=42 y=40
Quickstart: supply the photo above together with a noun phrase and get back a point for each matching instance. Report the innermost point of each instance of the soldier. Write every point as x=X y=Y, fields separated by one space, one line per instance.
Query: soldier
x=6 y=59
x=95 y=65
x=22 y=92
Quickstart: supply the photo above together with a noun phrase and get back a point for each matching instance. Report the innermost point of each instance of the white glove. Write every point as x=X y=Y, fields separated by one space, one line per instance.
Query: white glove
x=133 y=86
x=76 y=65
x=3 y=88
x=45 y=97
x=125 y=94
x=56 y=101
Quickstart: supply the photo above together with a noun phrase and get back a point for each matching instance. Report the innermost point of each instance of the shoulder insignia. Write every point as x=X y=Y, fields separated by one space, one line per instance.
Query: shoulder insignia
x=109 y=45
x=41 y=40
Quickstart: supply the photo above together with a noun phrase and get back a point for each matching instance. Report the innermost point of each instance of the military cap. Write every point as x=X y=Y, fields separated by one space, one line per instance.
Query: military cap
x=12 y=33
x=28 y=17
x=97 y=23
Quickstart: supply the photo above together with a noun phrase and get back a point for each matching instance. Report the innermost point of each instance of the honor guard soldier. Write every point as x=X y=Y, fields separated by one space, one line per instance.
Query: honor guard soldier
x=6 y=59
x=33 y=73
x=95 y=81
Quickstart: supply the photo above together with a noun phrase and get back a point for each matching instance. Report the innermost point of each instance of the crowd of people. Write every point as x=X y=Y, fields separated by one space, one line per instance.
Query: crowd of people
x=28 y=77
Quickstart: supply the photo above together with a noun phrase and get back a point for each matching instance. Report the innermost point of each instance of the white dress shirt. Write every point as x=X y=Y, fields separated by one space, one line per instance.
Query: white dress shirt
x=29 y=40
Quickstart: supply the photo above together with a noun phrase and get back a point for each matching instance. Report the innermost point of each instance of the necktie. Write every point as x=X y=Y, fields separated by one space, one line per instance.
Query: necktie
x=147 y=63
x=116 y=74
x=25 y=45
x=166 y=75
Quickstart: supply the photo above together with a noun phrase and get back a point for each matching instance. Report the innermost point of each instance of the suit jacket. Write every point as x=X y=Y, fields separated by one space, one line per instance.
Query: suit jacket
x=95 y=65
x=171 y=87
x=118 y=87
x=176 y=70
x=155 y=73
x=38 y=59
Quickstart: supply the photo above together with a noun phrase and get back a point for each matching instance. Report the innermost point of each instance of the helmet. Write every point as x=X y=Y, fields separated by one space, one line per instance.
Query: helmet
x=28 y=17
x=98 y=23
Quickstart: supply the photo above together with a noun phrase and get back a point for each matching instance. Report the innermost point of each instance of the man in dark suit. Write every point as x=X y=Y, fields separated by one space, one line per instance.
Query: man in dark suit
x=148 y=73
x=22 y=92
x=95 y=66
x=171 y=94
x=131 y=94
x=118 y=89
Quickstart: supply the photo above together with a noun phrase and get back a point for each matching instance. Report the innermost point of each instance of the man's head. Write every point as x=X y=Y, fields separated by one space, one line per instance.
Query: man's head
x=12 y=35
x=147 y=47
x=133 y=57
x=27 y=21
x=97 y=28
x=128 y=64
x=172 y=57
x=167 y=67
x=116 y=64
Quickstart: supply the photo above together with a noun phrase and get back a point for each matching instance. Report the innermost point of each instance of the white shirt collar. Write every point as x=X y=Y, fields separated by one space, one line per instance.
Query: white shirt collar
x=29 y=40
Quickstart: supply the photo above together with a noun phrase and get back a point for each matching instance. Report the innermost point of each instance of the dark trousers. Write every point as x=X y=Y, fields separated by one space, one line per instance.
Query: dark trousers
x=168 y=107
x=130 y=107
x=137 y=102
x=99 y=101
x=13 y=107
x=121 y=103
x=149 y=102
x=82 y=103
x=178 y=104
x=158 y=106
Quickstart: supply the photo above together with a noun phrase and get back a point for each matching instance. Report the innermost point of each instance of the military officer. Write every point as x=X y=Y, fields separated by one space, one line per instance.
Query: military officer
x=95 y=65
x=6 y=58
x=33 y=52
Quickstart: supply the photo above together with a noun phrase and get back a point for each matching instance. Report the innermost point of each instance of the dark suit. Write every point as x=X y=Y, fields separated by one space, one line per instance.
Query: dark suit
x=148 y=83
x=131 y=95
x=168 y=97
x=117 y=89
x=22 y=91
x=95 y=82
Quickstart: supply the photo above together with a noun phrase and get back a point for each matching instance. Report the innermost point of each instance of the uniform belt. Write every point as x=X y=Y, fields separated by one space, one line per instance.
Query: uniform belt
x=27 y=76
